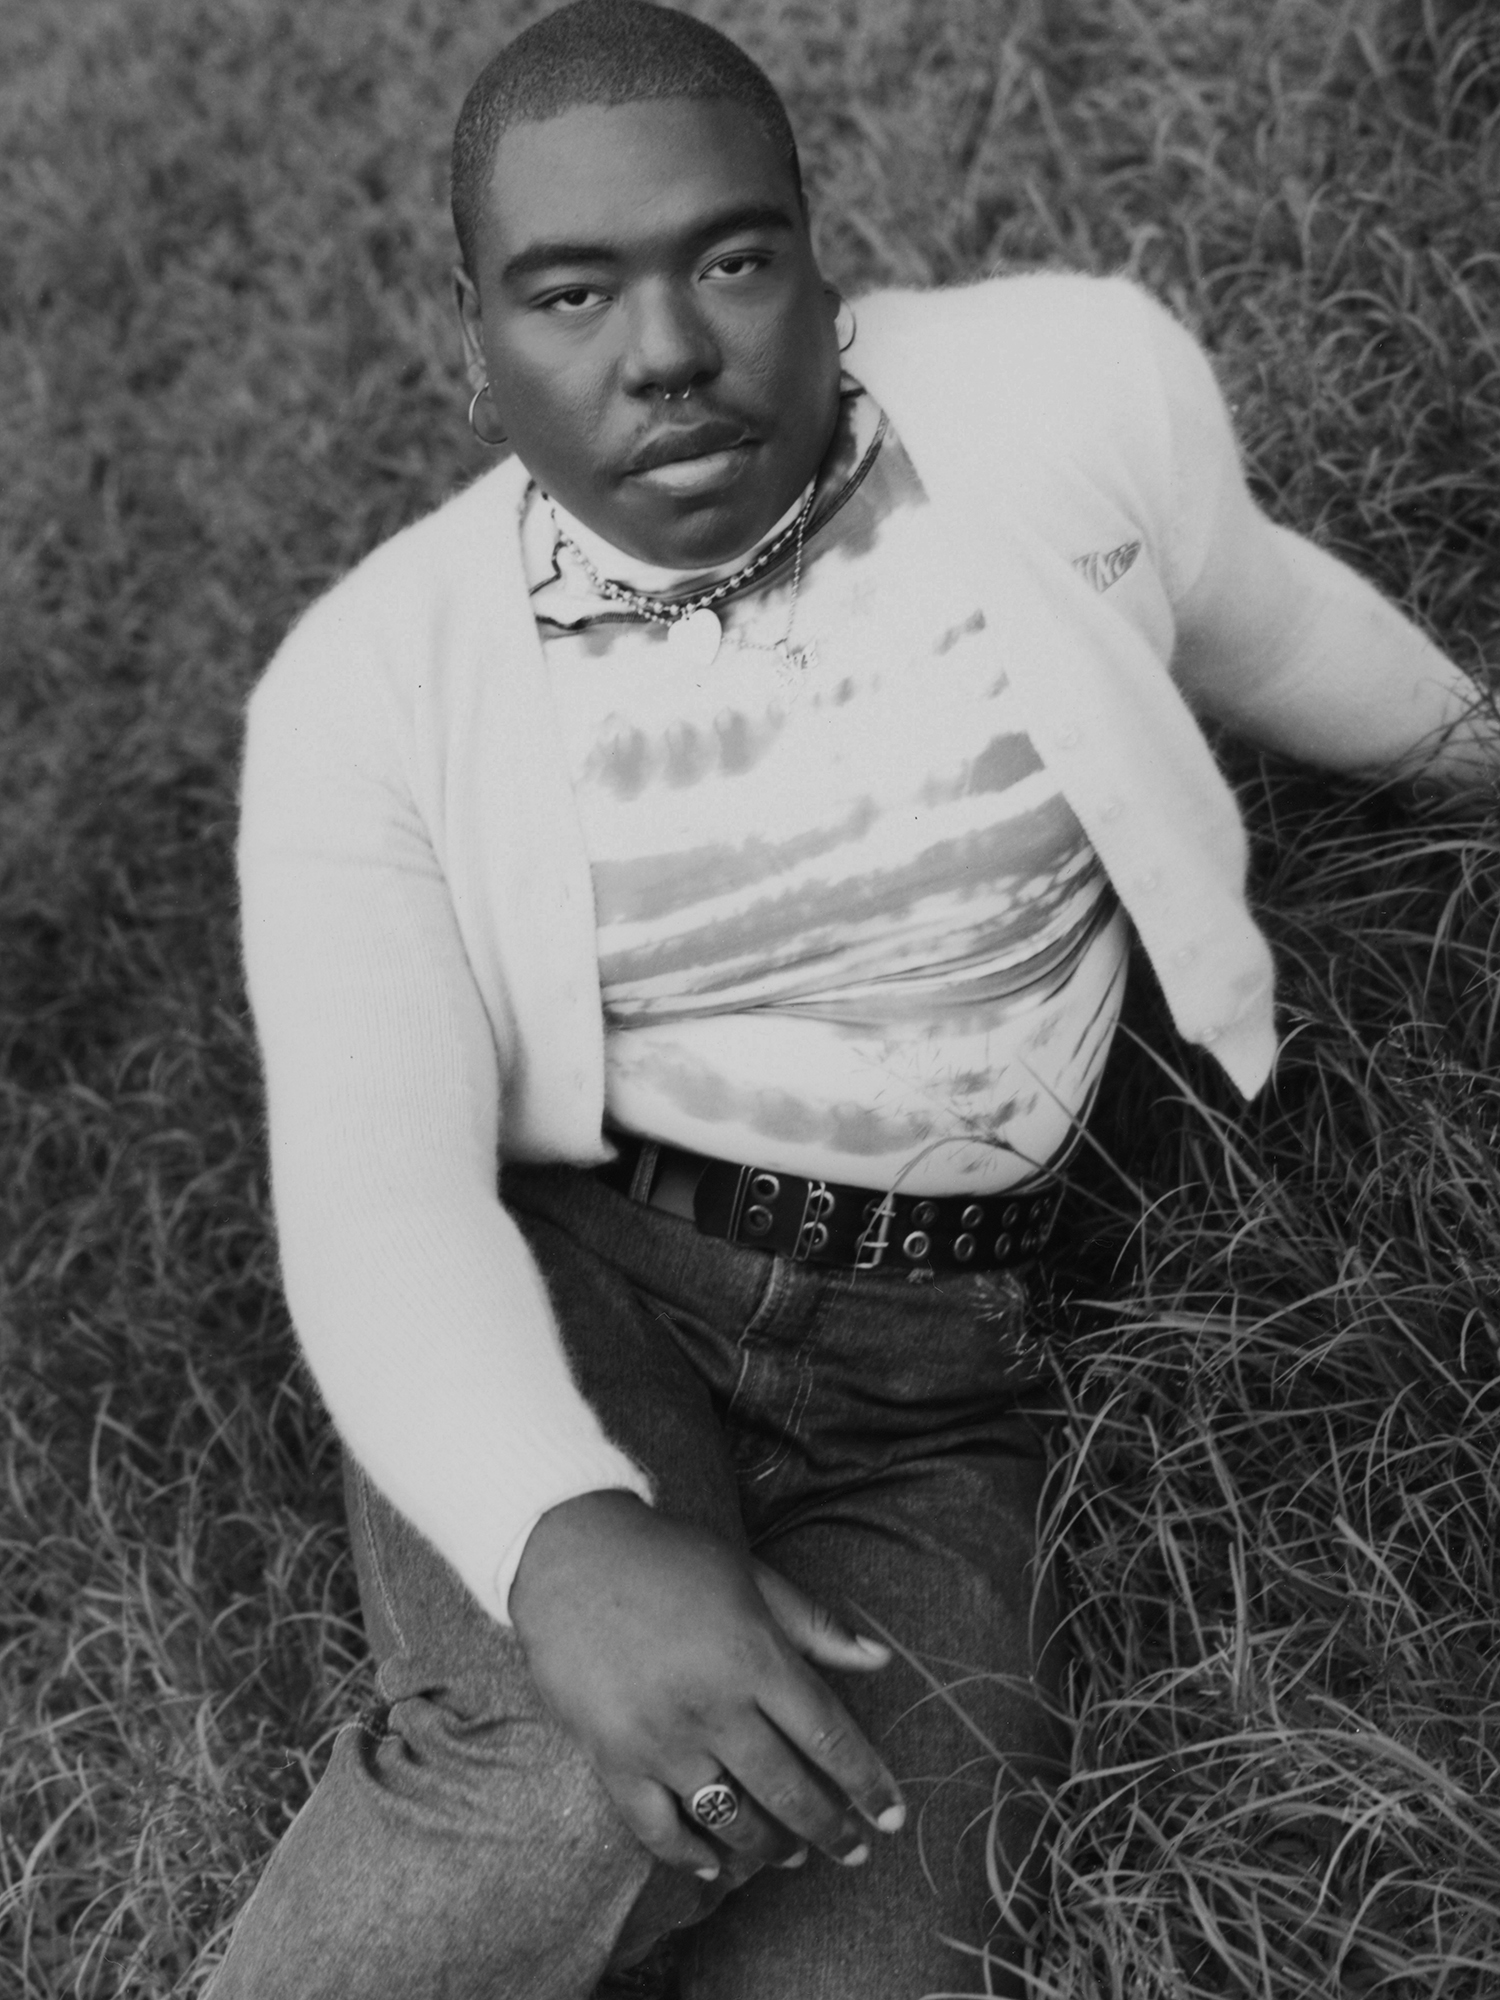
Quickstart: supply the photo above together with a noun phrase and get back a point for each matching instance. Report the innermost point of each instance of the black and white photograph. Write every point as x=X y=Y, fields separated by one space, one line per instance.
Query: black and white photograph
x=750 y=1000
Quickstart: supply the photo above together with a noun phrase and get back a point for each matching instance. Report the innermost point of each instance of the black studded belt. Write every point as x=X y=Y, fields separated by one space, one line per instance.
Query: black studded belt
x=827 y=1222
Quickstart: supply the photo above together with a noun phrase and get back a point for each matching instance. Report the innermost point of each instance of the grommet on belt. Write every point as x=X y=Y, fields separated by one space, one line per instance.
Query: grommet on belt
x=822 y=1222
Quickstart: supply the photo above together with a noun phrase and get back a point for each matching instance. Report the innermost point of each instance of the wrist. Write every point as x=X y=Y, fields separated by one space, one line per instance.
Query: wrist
x=559 y=1538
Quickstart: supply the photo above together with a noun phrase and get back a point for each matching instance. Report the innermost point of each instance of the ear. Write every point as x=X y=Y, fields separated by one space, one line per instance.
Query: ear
x=470 y=325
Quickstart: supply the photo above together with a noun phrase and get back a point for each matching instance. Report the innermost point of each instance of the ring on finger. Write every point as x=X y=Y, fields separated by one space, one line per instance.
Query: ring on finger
x=715 y=1805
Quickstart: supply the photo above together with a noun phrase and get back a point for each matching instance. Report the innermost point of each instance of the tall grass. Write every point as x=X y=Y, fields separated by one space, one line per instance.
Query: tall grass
x=226 y=370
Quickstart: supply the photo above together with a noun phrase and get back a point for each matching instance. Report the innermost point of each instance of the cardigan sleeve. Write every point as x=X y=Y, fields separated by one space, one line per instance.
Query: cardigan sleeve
x=417 y=1303
x=1278 y=639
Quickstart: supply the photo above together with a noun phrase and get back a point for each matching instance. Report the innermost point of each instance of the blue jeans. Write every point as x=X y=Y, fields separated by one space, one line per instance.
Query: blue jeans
x=875 y=1438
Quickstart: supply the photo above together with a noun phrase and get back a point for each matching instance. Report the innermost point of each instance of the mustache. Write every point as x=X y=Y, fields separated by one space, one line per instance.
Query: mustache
x=671 y=442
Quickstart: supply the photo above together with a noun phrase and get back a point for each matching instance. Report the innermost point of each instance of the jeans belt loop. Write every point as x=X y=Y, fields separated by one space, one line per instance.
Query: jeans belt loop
x=645 y=1171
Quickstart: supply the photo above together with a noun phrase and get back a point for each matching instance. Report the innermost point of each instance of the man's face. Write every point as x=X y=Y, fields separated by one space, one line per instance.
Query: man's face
x=658 y=341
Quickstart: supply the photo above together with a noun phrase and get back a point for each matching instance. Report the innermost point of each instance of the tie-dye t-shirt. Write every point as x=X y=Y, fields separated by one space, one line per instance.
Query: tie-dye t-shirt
x=848 y=926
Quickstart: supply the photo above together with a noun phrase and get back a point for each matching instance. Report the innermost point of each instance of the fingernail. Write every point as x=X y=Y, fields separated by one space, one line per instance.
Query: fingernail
x=871 y=1645
x=794 y=1860
x=893 y=1818
x=855 y=1857
x=707 y=1874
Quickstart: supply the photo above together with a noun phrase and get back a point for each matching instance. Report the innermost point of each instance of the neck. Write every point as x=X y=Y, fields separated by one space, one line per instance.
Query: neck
x=651 y=578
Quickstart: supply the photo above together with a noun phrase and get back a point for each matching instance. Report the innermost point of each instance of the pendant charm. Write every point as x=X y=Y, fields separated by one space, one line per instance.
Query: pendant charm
x=792 y=662
x=695 y=639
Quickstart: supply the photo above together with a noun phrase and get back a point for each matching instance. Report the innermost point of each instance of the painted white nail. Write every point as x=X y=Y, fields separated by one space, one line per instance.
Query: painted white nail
x=794 y=1860
x=891 y=1819
x=855 y=1857
x=707 y=1874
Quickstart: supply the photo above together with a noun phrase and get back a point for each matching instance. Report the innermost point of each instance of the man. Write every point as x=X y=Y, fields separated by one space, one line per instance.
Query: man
x=729 y=815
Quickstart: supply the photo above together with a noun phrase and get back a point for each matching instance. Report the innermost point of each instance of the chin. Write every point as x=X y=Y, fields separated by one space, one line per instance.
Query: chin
x=689 y=547
x=694 y=537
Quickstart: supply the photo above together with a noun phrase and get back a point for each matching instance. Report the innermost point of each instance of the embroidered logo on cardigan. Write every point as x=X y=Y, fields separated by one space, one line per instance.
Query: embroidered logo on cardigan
x=1106 y=567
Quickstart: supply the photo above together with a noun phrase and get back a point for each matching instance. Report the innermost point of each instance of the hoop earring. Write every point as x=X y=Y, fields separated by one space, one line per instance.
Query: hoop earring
x=844 y=317
x=483 y=390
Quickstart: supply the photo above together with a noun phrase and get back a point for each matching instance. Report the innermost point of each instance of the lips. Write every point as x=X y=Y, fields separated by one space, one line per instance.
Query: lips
x=684 y=441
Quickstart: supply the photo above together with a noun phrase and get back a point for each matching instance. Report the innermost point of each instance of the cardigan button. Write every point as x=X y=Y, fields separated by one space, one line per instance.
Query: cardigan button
x=1111 y=809
x=1067 y=738
x=1185 y=954
x=1149 y=881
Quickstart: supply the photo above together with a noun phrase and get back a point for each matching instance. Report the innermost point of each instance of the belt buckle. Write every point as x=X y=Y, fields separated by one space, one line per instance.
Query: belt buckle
x=876 y=1234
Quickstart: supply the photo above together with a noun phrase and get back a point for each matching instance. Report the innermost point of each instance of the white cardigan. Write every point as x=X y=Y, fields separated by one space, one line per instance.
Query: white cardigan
x=418 y=920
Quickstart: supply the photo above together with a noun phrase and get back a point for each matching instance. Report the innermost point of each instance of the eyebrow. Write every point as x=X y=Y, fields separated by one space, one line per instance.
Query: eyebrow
x=547 y=255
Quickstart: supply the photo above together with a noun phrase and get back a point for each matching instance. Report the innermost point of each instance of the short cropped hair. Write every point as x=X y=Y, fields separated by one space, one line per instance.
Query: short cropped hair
x=600 y=52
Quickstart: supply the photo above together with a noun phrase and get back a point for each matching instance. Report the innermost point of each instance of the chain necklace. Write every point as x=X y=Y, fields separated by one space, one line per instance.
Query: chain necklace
x=694 y=630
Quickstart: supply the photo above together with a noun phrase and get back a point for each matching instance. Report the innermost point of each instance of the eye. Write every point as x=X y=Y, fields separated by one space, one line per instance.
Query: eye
x=573 y=299
x=739 y=263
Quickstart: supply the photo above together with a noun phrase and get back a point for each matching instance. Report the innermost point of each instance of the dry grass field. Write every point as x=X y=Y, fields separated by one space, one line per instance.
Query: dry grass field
x=226 y=370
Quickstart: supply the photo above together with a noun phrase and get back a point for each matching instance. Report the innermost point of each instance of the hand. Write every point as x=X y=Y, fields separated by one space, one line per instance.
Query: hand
x=672 y=1659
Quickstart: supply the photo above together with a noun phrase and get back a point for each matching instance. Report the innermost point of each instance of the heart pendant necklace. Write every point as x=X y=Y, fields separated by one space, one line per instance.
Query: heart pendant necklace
x=694 y=633
x=695 y=639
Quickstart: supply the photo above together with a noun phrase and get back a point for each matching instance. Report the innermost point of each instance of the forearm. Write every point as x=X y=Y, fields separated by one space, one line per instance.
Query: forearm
x=419 y=1307
x=1328 y=670
x=433 y=1343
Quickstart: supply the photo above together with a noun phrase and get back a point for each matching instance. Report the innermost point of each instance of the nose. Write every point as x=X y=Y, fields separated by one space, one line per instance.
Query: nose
x=671 y=344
